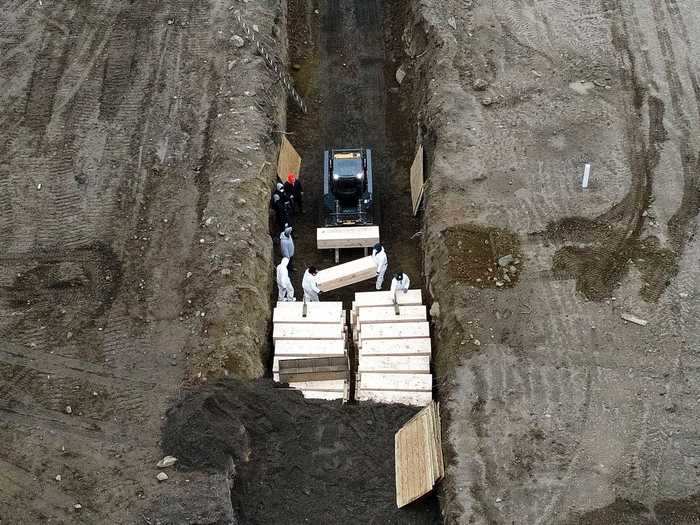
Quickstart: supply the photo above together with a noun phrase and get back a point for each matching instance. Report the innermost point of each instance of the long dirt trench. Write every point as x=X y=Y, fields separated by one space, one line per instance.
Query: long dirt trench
x=289 y=459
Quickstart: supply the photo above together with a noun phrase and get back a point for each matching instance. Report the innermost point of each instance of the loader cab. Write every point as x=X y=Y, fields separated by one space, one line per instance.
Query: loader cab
x=349 y=176
x=348 y=196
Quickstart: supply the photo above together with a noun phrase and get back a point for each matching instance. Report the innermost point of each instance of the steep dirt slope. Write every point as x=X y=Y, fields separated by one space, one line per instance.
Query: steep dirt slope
x=134 y=242
x=557 y=407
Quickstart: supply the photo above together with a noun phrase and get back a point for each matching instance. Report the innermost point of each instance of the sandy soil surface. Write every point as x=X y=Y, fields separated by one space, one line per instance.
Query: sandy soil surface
x=133 y=238
x=559 y=411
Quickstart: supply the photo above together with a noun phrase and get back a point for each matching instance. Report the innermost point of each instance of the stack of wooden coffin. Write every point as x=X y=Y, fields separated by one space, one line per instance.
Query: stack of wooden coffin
x=310 y=349
x=393 y=343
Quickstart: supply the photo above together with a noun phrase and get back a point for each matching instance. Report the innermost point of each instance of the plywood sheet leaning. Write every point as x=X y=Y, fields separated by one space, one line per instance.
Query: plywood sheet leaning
x=350 y=237
x=346 y=274
x=419 y=463
x=417 y=180
x=288 y=161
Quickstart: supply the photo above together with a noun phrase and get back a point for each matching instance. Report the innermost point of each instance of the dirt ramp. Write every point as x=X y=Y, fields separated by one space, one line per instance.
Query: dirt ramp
x=293 y=460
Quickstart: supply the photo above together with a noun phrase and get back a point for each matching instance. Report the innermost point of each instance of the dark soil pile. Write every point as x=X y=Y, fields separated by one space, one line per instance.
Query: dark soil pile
x=295 y=460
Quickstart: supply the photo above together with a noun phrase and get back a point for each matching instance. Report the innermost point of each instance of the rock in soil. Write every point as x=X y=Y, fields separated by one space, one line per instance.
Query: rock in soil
x=480 y=84
x=505 y=260
x=167 y=461
x=162 y=476
x=400 y=74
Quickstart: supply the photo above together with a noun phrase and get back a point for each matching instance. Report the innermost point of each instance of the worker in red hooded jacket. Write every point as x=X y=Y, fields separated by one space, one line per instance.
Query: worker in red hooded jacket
x=293 y=188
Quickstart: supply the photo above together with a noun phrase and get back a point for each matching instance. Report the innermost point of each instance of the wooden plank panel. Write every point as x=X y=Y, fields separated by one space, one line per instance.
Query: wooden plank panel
x=394 y=330
x=418 y=346
x=296 y=306
x=317 y=348
x=385 y=298
x=311 y=377
x=313 y=315
x=345 y=274
x=418 y=364
x=418 y=456
x=303 y=331
x=276 y=360
x=379 y=381
x=387 y=314
x=437 y=440
x=418 y=398
x=323 y=394
x=347 y=237
x=336 y=385
x=314 y=369
x=288 y=160
x=316 y=363
x=417 y=182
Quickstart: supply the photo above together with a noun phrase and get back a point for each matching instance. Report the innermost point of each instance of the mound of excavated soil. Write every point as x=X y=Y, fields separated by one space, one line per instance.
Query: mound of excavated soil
x=295 y=460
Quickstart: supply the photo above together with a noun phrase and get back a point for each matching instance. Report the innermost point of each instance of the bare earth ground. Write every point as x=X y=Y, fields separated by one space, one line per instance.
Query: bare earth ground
x=559 y=412
x=133 y=238
x=134 y=250
x=136 y=257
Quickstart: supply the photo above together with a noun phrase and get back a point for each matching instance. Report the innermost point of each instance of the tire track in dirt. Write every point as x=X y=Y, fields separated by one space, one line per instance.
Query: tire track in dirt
x=48 y=69
x=644 y=157
x=553 y=506
x=103 y=246
x=601 y=266
x=51 y=499
x=515 y=402
x=122 y=56
x=656 y=441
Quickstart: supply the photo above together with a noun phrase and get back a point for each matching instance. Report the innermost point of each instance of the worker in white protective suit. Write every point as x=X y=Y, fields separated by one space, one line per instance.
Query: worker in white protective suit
x=285 y=290
x=379 y=257
x=399 y=283
x=287 y=246
x=310 y=286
